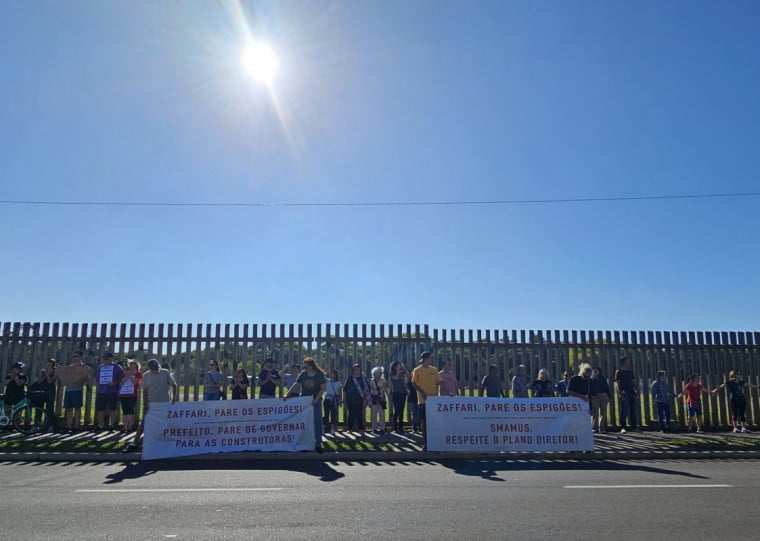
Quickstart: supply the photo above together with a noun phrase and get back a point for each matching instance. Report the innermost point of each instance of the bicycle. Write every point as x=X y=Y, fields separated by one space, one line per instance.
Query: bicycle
x=25 y=417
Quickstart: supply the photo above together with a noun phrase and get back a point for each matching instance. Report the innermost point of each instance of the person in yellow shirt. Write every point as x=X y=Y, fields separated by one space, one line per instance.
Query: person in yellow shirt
x=426 y=380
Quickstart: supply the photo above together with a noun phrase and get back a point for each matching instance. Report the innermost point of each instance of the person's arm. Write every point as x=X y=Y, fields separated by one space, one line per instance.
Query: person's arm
x=483 y=387
x=174 y=391
x=295 y=390
x=718 y=388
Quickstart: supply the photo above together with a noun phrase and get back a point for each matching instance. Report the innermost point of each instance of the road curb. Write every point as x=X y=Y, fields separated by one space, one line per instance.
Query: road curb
x=387 y=456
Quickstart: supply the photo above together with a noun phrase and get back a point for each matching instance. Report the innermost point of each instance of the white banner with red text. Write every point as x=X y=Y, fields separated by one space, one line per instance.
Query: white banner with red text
x=501 y=424
x=192 y=428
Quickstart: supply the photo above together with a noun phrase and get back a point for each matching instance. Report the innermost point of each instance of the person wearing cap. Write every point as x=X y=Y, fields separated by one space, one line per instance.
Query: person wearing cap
x=158 y=386
x=426 y=381
x=107 y=379
x=73 y=377
x=15 y=385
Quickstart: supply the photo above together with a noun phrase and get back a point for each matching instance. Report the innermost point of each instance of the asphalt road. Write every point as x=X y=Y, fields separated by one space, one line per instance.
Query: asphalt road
x=672 y=500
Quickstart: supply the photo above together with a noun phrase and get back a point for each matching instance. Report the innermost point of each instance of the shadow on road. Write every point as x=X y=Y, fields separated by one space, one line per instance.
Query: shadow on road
x=322 y=470
x=487 y=469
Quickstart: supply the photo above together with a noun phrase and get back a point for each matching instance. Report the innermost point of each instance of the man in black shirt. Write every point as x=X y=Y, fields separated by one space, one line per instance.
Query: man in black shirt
x=624 y=380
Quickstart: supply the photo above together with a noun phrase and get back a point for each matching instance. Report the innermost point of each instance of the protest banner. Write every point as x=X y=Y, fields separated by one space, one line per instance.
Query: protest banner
x=191 y=428
x=503 y=424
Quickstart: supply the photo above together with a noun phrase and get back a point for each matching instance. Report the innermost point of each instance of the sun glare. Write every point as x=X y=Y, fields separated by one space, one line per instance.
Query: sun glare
x=260 y=62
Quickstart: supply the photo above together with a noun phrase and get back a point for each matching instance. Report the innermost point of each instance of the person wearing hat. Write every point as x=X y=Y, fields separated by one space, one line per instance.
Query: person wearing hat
x=15 y=385
x=107 y=379
x=426 y=381
x=158 y=386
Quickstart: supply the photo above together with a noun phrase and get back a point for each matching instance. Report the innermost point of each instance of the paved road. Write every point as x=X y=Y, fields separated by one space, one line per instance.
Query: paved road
x=403 y=500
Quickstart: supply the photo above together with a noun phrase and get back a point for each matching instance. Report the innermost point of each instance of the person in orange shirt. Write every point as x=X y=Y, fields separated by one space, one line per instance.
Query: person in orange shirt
x=426 y=380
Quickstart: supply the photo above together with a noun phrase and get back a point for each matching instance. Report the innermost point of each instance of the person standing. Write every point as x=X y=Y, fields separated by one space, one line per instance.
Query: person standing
x=662 y=394
x=627 y=393
x=449 y=383
x=736 y=385
x=491 y=384
x=213 y=382
x=520 y=382
x=693 y=391
x=599 y=397
x=580 y=385
x=561 y=387
x=269 y=380
x=240 y=385
x=311 y=382
x=51 y=391
x=73 y=378
x=158 y=386
x=107 y=379
x=333 y=391
x=542 y=386
x=398 y=394
x=356 y=393
x=378 y=389
x=128 y=393
x=426 y=381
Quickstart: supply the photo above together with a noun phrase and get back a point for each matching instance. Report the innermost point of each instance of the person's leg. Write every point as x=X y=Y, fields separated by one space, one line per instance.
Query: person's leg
x=423 y=424
x=318 y=426
x=632 y=409
x=624 y=406
x=604 y=402
x=595 y=412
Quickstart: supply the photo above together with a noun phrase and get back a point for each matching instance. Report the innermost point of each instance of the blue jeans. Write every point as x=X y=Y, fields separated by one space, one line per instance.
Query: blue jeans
x=414 y=415
x=663 y=415
x=318 y=423
x=628 y=410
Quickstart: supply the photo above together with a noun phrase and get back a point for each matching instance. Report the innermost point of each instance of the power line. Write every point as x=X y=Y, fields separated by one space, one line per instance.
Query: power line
x=380 y=203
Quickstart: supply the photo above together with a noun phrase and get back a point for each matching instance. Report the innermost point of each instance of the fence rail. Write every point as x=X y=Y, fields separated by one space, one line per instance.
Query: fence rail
x=187 y=348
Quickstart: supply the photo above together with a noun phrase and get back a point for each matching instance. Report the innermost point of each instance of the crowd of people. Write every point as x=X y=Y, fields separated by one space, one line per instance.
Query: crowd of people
x=406 y=390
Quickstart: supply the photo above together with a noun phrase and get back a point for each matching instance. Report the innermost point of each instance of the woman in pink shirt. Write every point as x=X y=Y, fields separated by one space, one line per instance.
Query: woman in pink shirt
x=449 y=383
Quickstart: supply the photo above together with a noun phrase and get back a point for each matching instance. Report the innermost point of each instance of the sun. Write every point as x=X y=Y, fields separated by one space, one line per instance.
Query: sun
x=260 y=62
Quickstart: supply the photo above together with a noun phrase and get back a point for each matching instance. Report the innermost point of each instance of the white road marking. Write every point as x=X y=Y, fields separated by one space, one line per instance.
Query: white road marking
x=645 y=486
x=115 y=490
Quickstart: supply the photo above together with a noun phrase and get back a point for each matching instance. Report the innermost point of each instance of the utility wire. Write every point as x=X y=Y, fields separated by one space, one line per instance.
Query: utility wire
x=380 y=203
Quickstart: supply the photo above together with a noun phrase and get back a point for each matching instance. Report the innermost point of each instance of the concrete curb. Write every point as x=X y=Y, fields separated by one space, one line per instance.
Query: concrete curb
x=386 y=456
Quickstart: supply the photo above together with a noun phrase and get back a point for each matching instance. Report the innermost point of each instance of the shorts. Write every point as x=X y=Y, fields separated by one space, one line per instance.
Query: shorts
x=105 y=402
x=128 y=404
x=694 y=410
x=73 y=399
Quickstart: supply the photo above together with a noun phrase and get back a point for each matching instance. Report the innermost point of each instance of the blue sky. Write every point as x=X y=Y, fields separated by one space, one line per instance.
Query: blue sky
x=146 y=101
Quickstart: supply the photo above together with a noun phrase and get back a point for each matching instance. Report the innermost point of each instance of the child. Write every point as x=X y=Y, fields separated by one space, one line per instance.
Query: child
x=738 y=402
x=693 y=391
x=662 y=394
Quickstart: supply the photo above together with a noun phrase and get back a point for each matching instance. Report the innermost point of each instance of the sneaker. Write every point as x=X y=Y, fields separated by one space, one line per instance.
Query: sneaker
x=736 y=430
x=700 y=431
x=132 y=448
x=746 y=430
x=319 y=449
x=623 y=431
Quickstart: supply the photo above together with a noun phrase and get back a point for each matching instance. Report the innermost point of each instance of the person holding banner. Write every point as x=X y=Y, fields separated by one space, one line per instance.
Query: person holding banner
x=158 y=386
x=580 y=385
x=426 y=381
x=311 y=382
